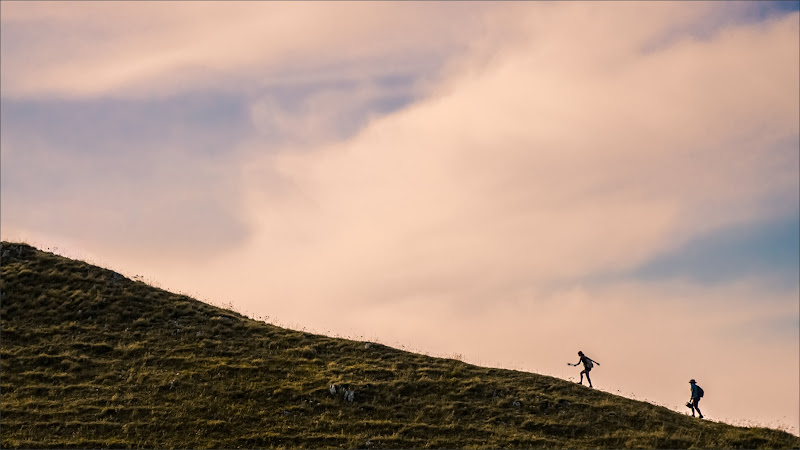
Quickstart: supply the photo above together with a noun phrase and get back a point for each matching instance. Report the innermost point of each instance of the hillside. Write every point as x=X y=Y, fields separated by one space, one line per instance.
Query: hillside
x=91 y=359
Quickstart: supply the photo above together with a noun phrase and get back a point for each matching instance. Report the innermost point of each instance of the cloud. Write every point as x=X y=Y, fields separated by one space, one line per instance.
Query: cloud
x=139 y=106
x=301 y=115
x=533 y=170
x=134 y=50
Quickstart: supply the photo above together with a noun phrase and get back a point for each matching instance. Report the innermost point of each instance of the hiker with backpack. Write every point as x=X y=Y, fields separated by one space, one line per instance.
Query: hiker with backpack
x=588 y=363
x=697 y=394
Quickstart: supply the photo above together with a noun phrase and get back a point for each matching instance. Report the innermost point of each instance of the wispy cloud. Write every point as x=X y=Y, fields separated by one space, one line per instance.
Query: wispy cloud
x=131 y=50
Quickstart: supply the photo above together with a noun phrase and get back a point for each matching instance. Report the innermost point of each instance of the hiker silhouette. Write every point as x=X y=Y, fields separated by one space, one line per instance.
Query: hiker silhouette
x=587 y=366
x=697 y=393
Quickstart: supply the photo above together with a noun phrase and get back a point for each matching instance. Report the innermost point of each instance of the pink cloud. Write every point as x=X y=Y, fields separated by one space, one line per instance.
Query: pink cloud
x=138 y=50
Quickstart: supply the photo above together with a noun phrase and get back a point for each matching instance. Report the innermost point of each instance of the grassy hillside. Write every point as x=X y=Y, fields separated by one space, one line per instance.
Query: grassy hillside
x=91 y=359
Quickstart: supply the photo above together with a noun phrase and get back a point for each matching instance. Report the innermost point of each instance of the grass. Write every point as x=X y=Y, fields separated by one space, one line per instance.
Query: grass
x=90 y=359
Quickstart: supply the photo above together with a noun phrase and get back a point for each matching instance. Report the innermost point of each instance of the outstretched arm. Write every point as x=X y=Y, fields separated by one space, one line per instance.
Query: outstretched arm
x=594 y=361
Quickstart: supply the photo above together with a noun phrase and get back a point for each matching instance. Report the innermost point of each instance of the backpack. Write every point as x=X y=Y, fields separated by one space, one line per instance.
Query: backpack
x=700 y=392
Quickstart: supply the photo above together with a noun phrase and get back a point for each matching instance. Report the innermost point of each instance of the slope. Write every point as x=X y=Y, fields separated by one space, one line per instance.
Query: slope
x=90 y=359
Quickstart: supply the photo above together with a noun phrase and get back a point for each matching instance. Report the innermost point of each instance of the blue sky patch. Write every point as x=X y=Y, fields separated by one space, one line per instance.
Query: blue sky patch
x=769 y=250
x=206 y=123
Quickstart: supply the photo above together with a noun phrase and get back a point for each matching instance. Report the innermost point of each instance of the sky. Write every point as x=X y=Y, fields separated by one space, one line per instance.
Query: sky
x=503 y=183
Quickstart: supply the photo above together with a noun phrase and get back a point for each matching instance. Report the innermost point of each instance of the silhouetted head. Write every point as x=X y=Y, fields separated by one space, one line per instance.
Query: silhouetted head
x=580 y=353
x=692 y=381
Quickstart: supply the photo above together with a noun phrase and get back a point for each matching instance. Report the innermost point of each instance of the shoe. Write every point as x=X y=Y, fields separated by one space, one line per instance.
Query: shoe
x=701 y=416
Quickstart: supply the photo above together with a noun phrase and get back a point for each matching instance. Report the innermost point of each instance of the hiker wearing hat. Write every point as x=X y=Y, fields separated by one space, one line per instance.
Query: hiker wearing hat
x=587 y=366
x=697 y=393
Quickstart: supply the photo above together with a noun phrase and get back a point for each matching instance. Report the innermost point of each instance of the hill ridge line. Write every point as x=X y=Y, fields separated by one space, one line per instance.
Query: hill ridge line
x=137 y=366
